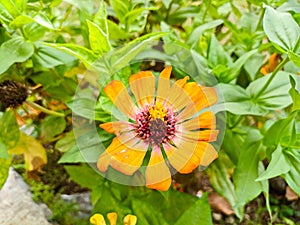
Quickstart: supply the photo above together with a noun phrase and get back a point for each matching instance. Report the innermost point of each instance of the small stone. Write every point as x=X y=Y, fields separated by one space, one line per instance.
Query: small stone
x=217 y=216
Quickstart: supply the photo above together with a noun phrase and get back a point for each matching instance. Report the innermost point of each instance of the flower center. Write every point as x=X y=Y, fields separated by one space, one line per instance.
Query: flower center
x=156 y=124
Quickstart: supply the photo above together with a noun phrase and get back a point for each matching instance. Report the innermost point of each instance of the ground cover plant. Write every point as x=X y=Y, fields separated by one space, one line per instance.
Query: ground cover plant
x=63 y=64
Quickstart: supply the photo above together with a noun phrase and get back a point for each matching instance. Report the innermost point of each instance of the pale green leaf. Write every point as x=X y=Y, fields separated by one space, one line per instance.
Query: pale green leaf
x=14 y=50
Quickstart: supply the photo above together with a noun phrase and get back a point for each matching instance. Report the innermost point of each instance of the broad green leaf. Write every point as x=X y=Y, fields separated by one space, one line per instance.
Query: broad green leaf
x=246 y=188
x=73 y=155
x=33 y=31
x=198 y=214
x=238 y=101
x=265 y=188
x=86 y=6
x=99 y=40
x=64 y=144
x=198 y=31
x=253 y=64
x=9 y=130
x=289 y=5
x=82 y=53
x=14 y=50
x=34 y=153
x=48 y=57
x=3 y=151
x=20 y=21
x=277 y=166
x=275 y=96
x=10 y=7
x=167 y=3
x=115 y=32
x=217 y=55
x=84 y=175
x=281 y=28
x=277 y=131
x=4 y=169
x=52 y=126
x=146 y=213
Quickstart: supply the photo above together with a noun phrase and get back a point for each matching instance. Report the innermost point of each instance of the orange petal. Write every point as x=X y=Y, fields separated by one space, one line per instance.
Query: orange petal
x=202 y=135
x=117 y=93
x=158 y=175
x=189 y=155
x=273 y=61
x=142 y=85
x=163 y=88
x=265 y=70
x=116 y=127
x=201 y=97
x=125 y=158
x=130 y=220
x=205 y=120
x=178 y=97
x=112 y=217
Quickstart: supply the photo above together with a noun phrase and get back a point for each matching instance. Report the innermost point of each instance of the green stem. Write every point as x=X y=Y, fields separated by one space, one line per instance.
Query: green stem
x=206 y=10
x=47 y=111
x=279 y=67
x=260 y=19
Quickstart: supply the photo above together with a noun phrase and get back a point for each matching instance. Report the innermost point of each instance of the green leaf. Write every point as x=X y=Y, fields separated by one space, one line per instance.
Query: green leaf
x=278 y=130
x=66 y=143
x=115 y=32
x=14 y=50
x=147 y=214
x=292 y=177
x=82 y=53
x=246 y=188
x=52 y=126
x=198 y=31
x=3 y=151
x=20 y=21
x=198 y=214
x=290 y=5
x=84 y=175
x=235 y=68
x=121 y=8
x=4 y=169
x=294 y=57
x=101 y=18
x=131 y=16
x=121 y=57
x=33 y=31
x=99 y=40
x=48 y=57
x=285 y=33
x=238 y=101
x=217 y=55
x=277 y=166
x=276 y=95
x=10 y=7
x=295 y=94
x=44 y=21
x=9 y=130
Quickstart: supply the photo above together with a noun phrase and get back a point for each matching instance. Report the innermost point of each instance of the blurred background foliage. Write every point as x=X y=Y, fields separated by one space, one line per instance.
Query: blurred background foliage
x=251 y=48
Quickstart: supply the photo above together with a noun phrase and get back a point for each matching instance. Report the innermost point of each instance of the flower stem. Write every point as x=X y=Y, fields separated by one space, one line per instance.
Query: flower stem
x=47 y=111
x=279 y=67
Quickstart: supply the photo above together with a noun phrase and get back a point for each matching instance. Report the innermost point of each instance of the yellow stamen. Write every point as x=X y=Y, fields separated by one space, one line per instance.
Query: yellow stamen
x=158 y=111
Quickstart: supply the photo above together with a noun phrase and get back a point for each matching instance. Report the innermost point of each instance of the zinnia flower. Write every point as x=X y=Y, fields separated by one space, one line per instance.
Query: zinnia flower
x=98 y=219
x=171 y=121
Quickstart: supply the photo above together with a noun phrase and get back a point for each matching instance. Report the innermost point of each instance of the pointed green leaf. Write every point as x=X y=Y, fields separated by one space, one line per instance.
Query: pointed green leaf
x=281 y=28
x=99 y=40
x=277 y=166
